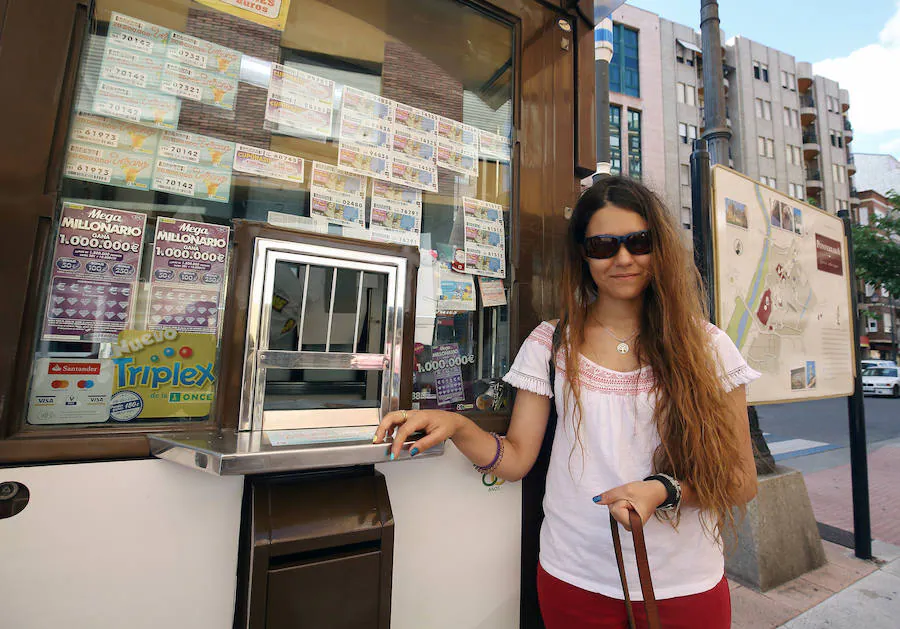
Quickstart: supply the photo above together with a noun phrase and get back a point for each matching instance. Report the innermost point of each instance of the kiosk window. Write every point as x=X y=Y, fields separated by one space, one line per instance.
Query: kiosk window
x=348 y=117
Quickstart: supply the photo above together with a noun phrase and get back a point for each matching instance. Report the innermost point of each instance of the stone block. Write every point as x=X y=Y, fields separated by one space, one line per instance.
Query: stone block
x=778 y=539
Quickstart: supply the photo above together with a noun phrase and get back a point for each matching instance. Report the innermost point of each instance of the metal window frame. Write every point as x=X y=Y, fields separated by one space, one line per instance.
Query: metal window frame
x=258 y=357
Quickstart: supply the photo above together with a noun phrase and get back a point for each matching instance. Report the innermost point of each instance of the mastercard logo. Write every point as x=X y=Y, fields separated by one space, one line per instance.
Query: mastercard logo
x=60 y=384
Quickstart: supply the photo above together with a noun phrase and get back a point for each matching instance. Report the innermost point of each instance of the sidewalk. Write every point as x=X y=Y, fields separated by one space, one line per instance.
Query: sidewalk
x=846 y=593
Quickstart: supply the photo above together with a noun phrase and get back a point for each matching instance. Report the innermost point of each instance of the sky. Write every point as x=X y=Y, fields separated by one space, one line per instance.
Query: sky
x=856 y=44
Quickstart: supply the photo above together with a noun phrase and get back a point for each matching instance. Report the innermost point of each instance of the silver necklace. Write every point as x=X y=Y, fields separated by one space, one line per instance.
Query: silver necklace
x=622 y=347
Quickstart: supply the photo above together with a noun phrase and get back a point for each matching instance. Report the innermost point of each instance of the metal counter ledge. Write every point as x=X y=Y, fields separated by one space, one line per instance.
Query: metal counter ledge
x=242 y=453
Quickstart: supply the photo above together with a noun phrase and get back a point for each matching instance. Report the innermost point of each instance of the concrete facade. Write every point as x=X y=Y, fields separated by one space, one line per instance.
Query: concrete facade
x=790 y=128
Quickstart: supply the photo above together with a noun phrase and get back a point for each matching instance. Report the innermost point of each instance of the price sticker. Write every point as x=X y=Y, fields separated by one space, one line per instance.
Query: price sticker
x=135 y=42
x=125 y=75
x=82 y=170
x=175 y=151
x=96 y=136
x=118 y=110
x=195 y=59
x=177 y=185
x=183 y=89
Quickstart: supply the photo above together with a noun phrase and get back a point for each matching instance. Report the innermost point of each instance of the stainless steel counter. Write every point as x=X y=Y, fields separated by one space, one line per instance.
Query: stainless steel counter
x=254 y=453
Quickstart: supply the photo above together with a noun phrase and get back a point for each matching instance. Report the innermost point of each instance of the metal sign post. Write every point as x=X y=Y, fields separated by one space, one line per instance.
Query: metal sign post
x=859 y=467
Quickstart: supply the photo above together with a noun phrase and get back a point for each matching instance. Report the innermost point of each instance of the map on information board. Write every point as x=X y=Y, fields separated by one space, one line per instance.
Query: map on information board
x=782 y=290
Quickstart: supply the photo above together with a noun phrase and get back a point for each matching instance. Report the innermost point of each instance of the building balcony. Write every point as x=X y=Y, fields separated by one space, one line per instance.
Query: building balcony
x=807 y=115
x=844 y=98
x=811 y=146
x=804 y=76
x=851 y=166
x=854 y=197
x=848 y=131
x=814 y=182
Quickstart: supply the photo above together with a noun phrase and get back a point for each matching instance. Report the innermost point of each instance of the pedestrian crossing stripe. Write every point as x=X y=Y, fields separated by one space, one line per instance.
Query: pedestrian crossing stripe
x=790 y=448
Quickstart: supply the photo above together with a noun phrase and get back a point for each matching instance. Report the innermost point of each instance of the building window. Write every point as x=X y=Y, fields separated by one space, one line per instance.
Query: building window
x=829 y=102
x=763 y=109
x=788 y=80
x=795 y=190
x=792 y=154
x=766 y=146
x=634 y=144
x=761 y=71
x=840 y=174
x=686 y=217
x=768 y=181
x=682 y=132
x=791 y=117
x=686 y=94
x=615 y=139
x=685 y=173
x=871 y=324
x=624 y=75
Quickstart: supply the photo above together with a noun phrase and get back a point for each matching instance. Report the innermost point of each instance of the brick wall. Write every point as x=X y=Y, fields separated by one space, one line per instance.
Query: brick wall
x=411 y=78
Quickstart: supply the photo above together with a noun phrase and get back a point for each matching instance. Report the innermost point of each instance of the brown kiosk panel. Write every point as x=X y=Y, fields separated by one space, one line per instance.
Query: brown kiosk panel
x=317 y=551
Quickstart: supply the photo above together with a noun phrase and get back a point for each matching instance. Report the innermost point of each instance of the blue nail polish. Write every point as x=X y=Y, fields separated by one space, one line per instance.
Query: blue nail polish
x=413 y=452
x=598 y=498
x=393 y=456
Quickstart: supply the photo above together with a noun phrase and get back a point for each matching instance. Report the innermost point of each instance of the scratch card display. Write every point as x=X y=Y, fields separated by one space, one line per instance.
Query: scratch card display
x=138 y=35
x=209 y=88
x=416 y=174
x=194 y=166
x=265 y=163
x=457 y=157
x=114 y=134
x=337 y=196
x=96 y=261
x=299 y=103
x=415 y=120
x=187 y=276
x=485 y=245
x=204 y=55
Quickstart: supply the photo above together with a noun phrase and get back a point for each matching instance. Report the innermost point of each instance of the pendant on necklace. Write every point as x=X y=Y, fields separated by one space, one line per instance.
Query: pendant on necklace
x=623 y=348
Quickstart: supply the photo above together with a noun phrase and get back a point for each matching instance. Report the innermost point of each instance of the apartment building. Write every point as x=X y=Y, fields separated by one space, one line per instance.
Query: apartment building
x=789 y=128
x=878 y=309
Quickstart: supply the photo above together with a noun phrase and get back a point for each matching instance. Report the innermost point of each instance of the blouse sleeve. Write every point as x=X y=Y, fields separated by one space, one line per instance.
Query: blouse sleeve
x=531 y=368
x=733 y=369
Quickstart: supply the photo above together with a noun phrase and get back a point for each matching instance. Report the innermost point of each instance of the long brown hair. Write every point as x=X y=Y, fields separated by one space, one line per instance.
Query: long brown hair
x=698 y=445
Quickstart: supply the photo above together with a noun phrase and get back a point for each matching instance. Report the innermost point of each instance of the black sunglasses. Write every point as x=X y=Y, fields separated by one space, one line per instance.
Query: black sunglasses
x=606 y=246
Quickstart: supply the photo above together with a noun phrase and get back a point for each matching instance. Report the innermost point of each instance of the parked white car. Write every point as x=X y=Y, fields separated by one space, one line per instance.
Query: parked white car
x=868 y=363
x=881 y=381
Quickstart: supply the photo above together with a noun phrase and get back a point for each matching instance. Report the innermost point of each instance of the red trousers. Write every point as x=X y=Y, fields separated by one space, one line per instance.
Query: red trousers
x=564 y=606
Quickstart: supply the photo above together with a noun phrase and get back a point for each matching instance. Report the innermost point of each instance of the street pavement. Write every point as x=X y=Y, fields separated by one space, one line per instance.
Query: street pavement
x=846 y=593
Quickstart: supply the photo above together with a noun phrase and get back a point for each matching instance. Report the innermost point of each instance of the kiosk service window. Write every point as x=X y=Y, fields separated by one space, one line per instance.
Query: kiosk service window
x=344 y=118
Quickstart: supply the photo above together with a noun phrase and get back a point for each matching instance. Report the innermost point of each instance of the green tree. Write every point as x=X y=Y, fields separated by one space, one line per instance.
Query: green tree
x=877 y=249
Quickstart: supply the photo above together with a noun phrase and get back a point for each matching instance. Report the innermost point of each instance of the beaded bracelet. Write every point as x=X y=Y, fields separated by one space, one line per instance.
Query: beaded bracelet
x=498 y=456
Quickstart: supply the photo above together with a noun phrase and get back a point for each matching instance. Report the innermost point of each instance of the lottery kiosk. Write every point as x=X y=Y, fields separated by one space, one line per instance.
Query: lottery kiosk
x=236 y=234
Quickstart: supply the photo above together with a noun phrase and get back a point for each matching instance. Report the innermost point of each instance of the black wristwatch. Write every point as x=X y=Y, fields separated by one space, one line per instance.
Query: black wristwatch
x=673 y=491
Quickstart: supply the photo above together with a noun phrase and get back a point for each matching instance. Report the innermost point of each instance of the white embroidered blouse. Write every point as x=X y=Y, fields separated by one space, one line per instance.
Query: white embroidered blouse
x=617 y=442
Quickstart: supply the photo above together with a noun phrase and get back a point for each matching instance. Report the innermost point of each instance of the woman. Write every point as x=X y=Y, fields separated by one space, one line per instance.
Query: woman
x=652 y=419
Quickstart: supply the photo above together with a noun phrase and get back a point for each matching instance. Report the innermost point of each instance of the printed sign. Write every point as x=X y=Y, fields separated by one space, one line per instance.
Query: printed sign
x=265 y=163
x=299 y=103
x=162 y=374
x=268 y=13
x=448 y=380
x=187 y=276
x=209 y=88
x=492 y=293
x=204 y=55
x=457 y=291
x=485 y=246
x=113 y=134
x=136 y=105
x=493 y=147
x=829 y=257
x=396 y=213
x=70 y=391
x=337 y=196
x=137 y=35
x=95 y=268
x=125 y=169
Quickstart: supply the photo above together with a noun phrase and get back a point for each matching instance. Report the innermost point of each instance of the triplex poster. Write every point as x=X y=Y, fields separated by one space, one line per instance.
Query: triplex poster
x=96 y=262
x=162 y=373
x=188 y=276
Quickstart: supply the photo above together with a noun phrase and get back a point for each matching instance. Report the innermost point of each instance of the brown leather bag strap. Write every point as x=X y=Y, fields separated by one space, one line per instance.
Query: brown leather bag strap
x=643 y=565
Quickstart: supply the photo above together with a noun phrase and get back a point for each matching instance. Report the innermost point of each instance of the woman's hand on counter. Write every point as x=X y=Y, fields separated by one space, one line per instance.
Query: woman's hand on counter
x=438 y=426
